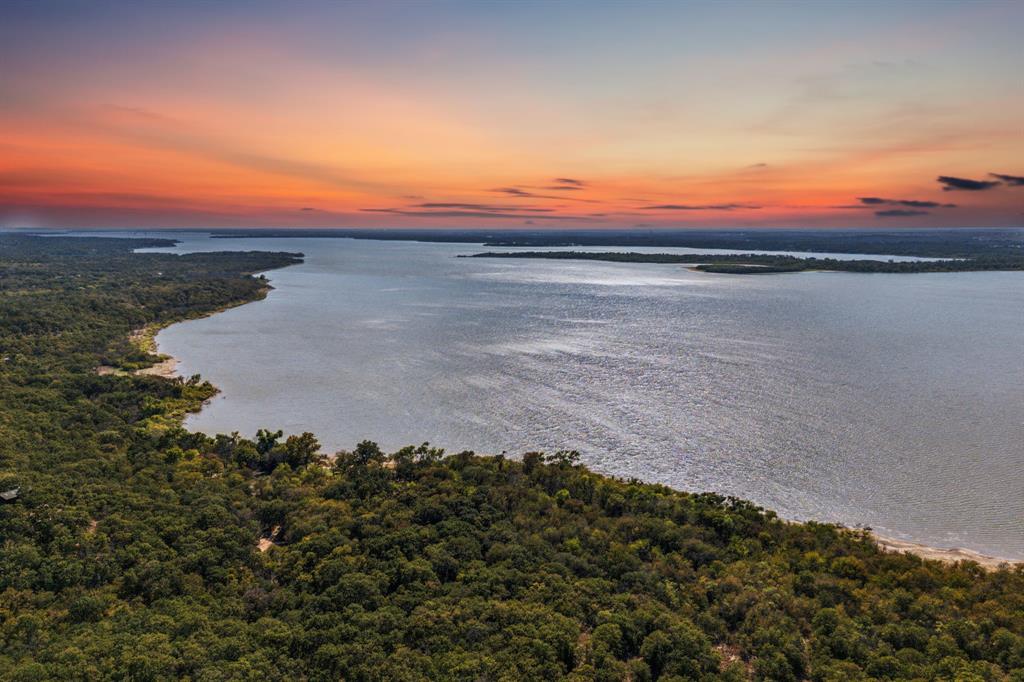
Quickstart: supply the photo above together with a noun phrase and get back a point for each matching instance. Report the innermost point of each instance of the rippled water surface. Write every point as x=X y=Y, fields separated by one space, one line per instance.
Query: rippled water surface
x=895 y=401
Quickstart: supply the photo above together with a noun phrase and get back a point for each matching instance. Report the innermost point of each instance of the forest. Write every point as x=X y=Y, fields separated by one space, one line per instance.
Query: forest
x=137 y=550
x=752 y=263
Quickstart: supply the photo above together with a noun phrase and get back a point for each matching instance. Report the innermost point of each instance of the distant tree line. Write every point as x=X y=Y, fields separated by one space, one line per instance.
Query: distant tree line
x=937 y=243
x=752 y=263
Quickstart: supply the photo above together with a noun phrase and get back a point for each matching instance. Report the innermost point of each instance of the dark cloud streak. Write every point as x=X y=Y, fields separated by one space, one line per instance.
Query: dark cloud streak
x=521 y=193
x=484 y=207
x=899 y=213
x=700 y=207
x=1011 y=180
x=951 y=184
x=470 y=214
x=912 y=203
x=514 y=191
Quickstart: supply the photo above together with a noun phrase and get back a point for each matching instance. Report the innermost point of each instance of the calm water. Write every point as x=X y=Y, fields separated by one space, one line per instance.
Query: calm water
x=888 y=400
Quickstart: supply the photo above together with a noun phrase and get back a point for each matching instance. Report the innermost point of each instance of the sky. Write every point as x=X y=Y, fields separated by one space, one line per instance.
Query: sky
x=512 y=114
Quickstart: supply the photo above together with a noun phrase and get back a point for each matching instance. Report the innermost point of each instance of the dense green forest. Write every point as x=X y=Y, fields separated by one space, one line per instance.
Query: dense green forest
x=134 y=550
x=752 y=263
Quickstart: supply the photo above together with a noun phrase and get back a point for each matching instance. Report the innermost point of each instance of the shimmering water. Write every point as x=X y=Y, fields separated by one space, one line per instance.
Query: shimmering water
x=895 y=401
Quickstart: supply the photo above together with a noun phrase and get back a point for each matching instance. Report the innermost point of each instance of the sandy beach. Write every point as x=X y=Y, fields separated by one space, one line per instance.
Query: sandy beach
x=166 y=368
x=145 y=339
x=949 y=556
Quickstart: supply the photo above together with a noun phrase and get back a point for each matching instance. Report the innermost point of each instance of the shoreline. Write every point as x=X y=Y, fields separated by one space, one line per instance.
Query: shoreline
x=167 y=365
x=167 y=368
x=950 y=555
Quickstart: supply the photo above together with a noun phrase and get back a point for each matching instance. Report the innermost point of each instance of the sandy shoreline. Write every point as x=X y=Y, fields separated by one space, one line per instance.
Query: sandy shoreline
x=167 y=365
x=166 y=368
x=949 y=555
x=145 y=339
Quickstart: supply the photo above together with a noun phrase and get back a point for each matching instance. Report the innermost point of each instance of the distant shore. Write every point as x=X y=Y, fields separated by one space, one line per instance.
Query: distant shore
x=779 y=263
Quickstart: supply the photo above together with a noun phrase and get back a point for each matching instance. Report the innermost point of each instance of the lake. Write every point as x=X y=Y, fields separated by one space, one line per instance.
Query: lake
x=895 y=401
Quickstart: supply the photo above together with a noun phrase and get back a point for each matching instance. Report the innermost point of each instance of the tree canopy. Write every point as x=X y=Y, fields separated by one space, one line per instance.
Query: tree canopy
x=134 y=549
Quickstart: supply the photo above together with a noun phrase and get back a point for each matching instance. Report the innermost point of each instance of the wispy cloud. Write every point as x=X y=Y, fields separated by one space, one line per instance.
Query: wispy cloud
x=523 y=193
x=513 y=191
x=155 y=130
x=566 y=185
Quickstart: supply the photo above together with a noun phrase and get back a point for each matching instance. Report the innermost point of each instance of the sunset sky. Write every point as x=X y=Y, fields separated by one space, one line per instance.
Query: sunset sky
x=488 y=114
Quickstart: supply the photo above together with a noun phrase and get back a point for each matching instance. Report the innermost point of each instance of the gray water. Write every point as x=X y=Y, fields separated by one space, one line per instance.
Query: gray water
x=895 y=401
